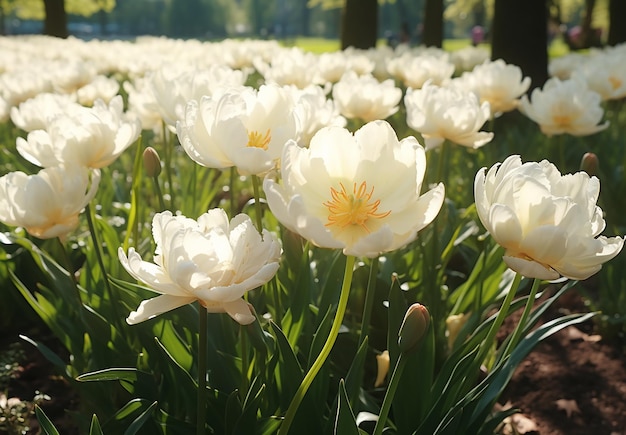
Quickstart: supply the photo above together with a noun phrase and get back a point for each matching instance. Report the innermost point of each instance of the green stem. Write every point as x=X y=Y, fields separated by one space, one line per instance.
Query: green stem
x=495 y=326
x=522 y=322
x=231 y=191
x=71 y=270
x=321 y=358
x=202 y=367
x=441 y=167
x=257 y=203
x=369 y=300
x=245 y=364
x=391 y=391
x=91 y=217
x=167 y=154
x=158 y=193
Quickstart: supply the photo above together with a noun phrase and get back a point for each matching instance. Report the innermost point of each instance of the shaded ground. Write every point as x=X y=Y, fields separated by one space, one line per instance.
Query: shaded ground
x=572 y=384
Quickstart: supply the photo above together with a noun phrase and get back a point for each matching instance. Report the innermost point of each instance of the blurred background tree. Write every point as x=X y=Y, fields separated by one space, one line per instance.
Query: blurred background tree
x=364 y=23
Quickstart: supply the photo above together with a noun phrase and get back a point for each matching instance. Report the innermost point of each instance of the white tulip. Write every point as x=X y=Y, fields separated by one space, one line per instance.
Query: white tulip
x=47 y=204
x=92 y=137
x=566 y=106
x=241 y=127
x=356 y=192
x=440 y=114
x=548 y=223
x=210 y=260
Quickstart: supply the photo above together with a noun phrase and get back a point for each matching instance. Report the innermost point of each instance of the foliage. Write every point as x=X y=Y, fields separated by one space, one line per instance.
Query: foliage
x=34 y=9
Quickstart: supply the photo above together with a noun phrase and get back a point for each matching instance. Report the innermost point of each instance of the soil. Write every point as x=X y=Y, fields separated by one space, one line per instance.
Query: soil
x=574 y=383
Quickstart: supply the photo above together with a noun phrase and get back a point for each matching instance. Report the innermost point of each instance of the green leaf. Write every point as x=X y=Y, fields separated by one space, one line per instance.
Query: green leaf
x=94 y=428
x=47 y=353
x=345 y=424
x=44 y=422
x=111 y=374
x=141 y=420
x=354 y=378
x=290 y=373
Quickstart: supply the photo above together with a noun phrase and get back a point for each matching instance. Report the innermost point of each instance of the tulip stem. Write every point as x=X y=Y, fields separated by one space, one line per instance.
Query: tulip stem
x=231 y=191
x=522 y=322
x=369 y=300
x=321 y=358
x=257 y=204
x=91 y=218
x=202 y=367
x=158 y=193
x=167 y=154
x=70 y=270
x=391 y=391
x=502 y=313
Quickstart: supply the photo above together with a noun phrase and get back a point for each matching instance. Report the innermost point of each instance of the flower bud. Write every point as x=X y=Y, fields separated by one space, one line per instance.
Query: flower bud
x=382 y=363
x=413 y=328
x=454 y=324
x=590 y=163
x=151 y=162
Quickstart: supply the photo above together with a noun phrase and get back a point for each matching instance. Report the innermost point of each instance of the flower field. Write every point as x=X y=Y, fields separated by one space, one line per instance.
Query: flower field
x=239 y=237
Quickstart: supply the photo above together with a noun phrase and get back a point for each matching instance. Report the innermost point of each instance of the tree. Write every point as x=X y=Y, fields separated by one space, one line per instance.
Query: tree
x=617 y=29
x=55 y=23
x=519 y=36
x=432 y=35
x=359 y=24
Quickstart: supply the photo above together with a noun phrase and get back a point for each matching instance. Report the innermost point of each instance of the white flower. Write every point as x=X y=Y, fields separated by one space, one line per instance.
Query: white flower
x=567 y=106
x=92 y=137
x=415 y=70
x=440 y=114
x=315 y=111
x=356 y=192
x=174 y=85
x=36 y=113
x=241 y=127
x=366 y=98
x=100 y=88
x=606 y=74
x=210 y=260
x=548 y=223
x=498 y=83
x=48 y=203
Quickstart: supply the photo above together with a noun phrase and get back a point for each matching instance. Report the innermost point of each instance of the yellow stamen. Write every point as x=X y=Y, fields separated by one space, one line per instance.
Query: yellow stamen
x=616 y=82
x=259 y=140
x=353 y=209
x=562 y=120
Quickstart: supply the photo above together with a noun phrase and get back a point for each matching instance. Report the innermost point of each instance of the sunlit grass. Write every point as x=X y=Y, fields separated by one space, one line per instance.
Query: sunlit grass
x=323 y=45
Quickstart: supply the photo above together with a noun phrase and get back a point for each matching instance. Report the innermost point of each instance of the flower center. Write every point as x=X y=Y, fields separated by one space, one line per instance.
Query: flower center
x=259 y=140
x=352 y=208
x=616 y=82
x=562 y=120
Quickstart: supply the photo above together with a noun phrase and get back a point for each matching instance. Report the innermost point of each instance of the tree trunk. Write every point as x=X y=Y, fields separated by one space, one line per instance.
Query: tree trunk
x=55 y=23
x=359 y=24
x=617 y=29
x=432 y=32
x=519 y=36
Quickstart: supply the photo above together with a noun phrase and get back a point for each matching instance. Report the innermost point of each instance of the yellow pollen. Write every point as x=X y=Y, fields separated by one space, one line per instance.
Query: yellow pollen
x=562 y=120
x=616 y=82
x=353 y=209
x=259 y=140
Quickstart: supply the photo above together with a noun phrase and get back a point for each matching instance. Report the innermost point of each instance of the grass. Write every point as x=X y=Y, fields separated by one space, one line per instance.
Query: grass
x=323 y=45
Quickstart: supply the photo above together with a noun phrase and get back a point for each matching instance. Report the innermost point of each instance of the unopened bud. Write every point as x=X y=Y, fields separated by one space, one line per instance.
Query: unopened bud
x=151 y=162
x=413 y=328
x=382 y=363
x=590 y=163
